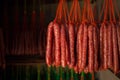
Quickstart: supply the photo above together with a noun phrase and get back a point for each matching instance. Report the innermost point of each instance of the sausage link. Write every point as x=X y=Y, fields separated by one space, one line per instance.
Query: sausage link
x=57 y=44
x=91 y=49
x=110 y=49
x=115 y=49
x=77 y=43
x=80 y=42
x=118 y=36
x=105 y=49
x=53 y=52
x=84 y=48
x=49 y=44
x=63 y=46
x=72 y=44
x=95 y=39
x=101 y=46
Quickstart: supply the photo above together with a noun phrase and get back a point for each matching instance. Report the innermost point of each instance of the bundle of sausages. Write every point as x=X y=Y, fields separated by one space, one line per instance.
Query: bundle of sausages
x=109 y=36
x=74 y=24
x=83 y=46
x=57 y=44
x=87 y=41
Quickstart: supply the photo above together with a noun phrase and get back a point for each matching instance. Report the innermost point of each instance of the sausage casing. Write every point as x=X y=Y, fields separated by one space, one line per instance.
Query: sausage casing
x=49 y=44
x=57 y=44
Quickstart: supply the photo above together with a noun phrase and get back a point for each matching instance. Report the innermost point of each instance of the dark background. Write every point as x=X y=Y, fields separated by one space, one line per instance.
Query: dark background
x=8 y=8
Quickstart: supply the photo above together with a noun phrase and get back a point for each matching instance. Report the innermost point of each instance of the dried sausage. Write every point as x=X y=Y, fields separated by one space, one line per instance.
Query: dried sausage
x=118 y=36
x=105 y=49
x=84 y=48
x=91 y=49
x=95 y=39
x=56 y=28
x=72 y=44
x=49 y=44
x=53 y=52
x=63 y=46
x=80 y=39
x=101 y=46
x=115 y=49
x=110 y=49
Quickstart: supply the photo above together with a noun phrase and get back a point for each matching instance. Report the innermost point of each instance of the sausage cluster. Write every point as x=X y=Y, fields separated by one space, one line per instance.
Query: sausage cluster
x=64 y=49
x=57 y=49
x=92 y=50
x=109 y=47
x=86 y=46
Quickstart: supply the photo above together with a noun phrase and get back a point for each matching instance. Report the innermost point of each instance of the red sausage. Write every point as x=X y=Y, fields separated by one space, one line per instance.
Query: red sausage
x=49 y=44
x=105 y=49
x=63 y=46
x=72 y=44
x=118 y=36
x=84 y=48
x=110 y=49
x=57 y=44
x=95 y=39
x=115 y=49
x=101 y=46
x=53 y=52
x=91 y=49
x=77 y=43
x=80 y=42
